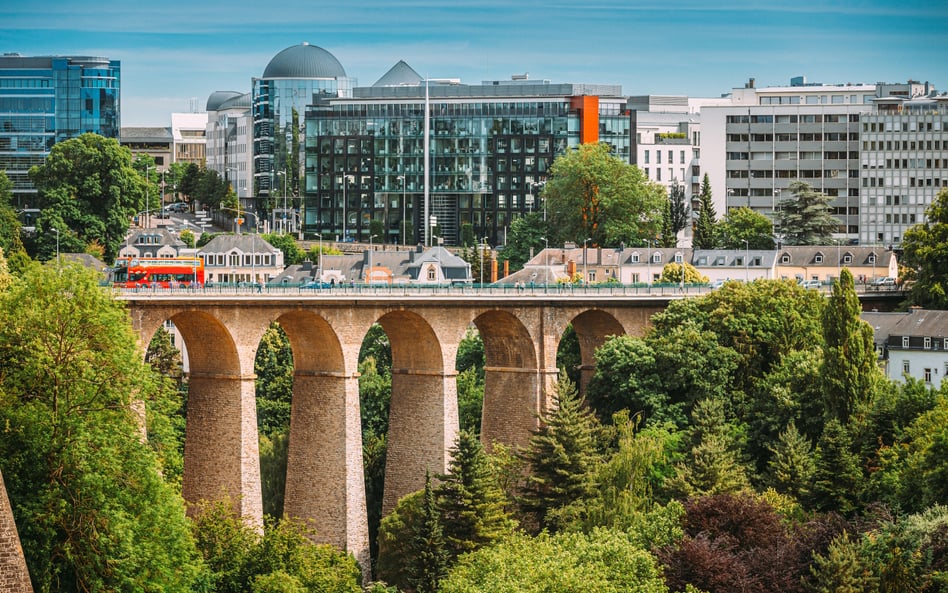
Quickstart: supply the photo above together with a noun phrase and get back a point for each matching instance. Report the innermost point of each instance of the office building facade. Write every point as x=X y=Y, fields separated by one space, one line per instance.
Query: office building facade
x=489 y=150
x=48 y=99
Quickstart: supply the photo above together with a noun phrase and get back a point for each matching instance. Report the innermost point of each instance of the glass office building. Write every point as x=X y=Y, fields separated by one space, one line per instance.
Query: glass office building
x=296 y=77
x=48 y=99
x=490 y=148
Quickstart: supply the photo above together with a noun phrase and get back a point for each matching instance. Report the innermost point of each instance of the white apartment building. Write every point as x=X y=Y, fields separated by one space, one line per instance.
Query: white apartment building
x=904 y=160
x=229 y=131
x=189 y=137
x=766 y=138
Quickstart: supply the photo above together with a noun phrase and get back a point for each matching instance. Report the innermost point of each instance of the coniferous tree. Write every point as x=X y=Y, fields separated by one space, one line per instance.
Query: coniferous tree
x=429 y=560
x=713 y=466
x=791 y=467
x=562 y=455
x=805 y=217
x=841 y=570
x=705 y=227
x=837 y=480
x=849 y=358
x=470 y=503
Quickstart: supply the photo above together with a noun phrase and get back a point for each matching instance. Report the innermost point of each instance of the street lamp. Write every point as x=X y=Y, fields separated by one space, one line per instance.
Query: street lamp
x=346 y=179
x=481 y=248
x=546 y=255
x=57 y=247
x=367 y=278
x=746 y=258
x=585 y=258
x=404 y=222
x=147 y=206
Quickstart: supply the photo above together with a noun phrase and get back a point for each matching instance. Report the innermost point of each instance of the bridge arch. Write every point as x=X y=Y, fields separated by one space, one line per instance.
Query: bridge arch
x=513 y=386
x=324 y=481
x=593 y=327
x=423 y=414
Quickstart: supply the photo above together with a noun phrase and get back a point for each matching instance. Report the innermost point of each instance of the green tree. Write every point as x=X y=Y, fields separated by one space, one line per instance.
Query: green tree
x=10 y=240
x=187 y=236
x=273 y=366
x=841 y=570
x=675 y=216
x=592 y=194
x=671 y=274
x=791 y=468
x=562 y=455
x=89 y=183
x=396 y=538
x=429 y=561
x=925 y=253
x=87 y=493
x=849 y=358
x=706 y=226
x=805 y=217
x=744 y=224
x=603 y=561
x=713 y=466
x=526 y=237
x=292 y=253
x=470 y=503
x=838 y=479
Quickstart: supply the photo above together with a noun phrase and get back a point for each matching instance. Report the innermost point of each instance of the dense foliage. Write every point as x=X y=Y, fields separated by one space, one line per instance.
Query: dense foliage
x=926 y=255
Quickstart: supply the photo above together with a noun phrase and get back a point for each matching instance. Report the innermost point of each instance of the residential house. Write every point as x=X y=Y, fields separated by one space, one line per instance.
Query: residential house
x=735 y=264
x=824 y=262
x=240 y=258
x=436 y=265
x=914 y=344
x=155 y=242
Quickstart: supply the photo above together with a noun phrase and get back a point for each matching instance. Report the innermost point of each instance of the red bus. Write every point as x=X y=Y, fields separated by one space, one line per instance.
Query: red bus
x=158 y=272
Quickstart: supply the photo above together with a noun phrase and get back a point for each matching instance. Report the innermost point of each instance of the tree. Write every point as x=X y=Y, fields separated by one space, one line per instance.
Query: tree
x=838 y=480
x=675 y=217
x=10 y=241
x=742 y=224
x=705 y=228
x=292 y=253
x=791 y=467
x=273 y=366
x=89 y=183
x=592 y=194
x=562 y=455
x=671 y=273
x=470 y=503
x=849 y=358
x=88 y=494
x=926 y=251
x=805 y=217
x=429 y=561
x=604 y=560
x=526 y=237
x=841 y=570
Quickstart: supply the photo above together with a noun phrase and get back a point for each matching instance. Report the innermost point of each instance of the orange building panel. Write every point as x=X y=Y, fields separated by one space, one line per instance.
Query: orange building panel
x=588 y=107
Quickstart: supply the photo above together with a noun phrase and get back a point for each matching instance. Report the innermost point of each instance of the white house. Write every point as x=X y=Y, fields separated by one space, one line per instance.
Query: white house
x=913 y=344
x=240 y=258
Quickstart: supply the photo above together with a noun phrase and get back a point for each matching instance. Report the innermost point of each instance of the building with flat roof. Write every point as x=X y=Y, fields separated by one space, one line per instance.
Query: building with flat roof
x=48 y=99
x=487 y=149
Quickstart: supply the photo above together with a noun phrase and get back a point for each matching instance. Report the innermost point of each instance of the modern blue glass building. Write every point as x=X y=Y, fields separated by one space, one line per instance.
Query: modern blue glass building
x=296 y=77
x=48 y=99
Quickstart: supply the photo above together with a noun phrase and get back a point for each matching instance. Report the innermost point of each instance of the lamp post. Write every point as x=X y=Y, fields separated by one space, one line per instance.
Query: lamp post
x=368 y=275
x=648 y=262
x=402 y=232
x=481 y=248
x=147 y=207
x=585 y=259
x=746 y=258
x=345 y=223
x=546 y=255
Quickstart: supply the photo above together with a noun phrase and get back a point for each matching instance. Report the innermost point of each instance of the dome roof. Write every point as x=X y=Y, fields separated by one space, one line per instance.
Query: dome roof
x=218 y=98
x=304 y=61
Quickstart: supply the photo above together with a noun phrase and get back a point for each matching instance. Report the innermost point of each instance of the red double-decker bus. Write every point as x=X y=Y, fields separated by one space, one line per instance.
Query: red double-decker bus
x=158 y=272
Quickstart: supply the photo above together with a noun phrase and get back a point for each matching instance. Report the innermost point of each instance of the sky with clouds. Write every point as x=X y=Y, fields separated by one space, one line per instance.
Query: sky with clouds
x=175 y=53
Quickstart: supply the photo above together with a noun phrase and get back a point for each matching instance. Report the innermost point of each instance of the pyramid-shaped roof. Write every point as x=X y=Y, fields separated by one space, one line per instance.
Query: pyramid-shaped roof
x=401 y=74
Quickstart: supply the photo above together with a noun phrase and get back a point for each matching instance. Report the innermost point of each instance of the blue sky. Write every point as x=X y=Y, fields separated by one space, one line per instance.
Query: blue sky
x=174 y=51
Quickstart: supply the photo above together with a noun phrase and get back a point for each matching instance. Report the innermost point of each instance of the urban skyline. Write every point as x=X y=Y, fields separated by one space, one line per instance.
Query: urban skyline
x=174 y=55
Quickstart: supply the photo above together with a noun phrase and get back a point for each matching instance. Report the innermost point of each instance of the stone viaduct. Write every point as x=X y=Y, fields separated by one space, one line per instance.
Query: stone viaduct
x=324 y=482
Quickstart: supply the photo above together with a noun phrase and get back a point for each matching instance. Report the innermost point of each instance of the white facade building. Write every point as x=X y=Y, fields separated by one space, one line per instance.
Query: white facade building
x=229 y=130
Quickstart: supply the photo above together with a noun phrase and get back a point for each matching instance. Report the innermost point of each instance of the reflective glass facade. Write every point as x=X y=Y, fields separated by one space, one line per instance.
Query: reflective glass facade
x=488 y=157
x=279 y=107
x=44 y=100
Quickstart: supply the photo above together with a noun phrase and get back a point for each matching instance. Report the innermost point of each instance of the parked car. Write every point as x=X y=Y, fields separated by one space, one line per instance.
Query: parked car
x=176 y=207
x=316 y=284
x=885 y=281
x=811 y=284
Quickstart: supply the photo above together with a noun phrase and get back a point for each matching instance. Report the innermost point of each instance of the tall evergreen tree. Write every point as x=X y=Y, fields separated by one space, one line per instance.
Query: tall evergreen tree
x=470 y=503
x=713 y=466
x=849 y=359
x=707 y=218
x=791 y=467
x=838 y=480
x=841 y=570
x=805 y=217
x=429 y=561
x=562 y=455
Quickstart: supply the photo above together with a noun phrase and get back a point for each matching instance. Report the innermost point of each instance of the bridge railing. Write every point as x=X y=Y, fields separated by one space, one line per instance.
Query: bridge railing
x=607 y=289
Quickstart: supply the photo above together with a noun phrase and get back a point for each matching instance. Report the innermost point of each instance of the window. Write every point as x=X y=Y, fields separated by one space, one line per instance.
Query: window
x=785 y=259
x=635 y=258
x=818 y=259
x=656 y=257
x=905 y=341
x=906 y=368
x=927 y=343
x=646 y=157
x=928 y=376
x=432 y=276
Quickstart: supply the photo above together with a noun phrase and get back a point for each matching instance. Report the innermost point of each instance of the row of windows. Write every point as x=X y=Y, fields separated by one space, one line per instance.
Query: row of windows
x=235 y=259
x=904 y=145
x=912 y=125
x=806 y=118
x=670 y=159
x=796 y=137
x=912 y=182
x=927 y=342
x=908 y=164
